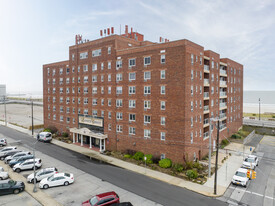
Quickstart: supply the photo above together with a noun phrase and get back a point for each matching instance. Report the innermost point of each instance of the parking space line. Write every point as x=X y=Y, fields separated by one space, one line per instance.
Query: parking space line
x=253 y=193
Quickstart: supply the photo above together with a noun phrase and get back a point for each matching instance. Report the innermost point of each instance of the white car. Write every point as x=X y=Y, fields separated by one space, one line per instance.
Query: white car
x=250 y=162
x=27 y=165
x=44 y=136
x=56 y=180
x=6 y=149
x=3 y=142
x=17 y=155
x=3 y=175
x=41 y=174
x=240 y=177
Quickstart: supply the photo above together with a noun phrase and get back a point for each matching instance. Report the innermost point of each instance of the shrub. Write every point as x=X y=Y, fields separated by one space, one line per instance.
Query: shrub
x=65 y=134
x=188 y=165
x=130 y=152
x=192 y=174
x=128 y=156
x=254 y=115
x=53 y=129
x=47 y=130
x=236 y=136
x=138 y=156
x=197 y=165
x=165 y=163
x=178 y=167
x=149 y=158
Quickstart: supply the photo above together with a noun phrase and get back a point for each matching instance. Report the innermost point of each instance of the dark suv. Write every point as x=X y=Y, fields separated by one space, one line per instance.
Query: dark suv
x=19 y=160
x=11 y=187
x=9 y=153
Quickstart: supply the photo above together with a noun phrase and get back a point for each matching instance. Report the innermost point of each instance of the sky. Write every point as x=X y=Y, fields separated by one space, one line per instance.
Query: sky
x=37 y=32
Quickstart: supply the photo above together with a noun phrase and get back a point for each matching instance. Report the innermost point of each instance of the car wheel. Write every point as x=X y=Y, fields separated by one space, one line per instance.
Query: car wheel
x=32 y=181
x=45 y=186
x=66 y=183
x=16 y=191
x=17 y=170
x=2 y=158
x=1 y=178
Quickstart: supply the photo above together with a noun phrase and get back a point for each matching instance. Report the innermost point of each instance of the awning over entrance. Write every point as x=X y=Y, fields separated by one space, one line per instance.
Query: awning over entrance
x=80 y=132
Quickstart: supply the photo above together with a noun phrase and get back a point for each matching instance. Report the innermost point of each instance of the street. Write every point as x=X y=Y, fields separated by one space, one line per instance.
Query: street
x=143 y=186
x=260 y=191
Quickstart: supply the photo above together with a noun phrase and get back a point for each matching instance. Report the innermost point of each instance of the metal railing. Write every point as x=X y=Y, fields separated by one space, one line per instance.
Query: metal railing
x=223 y=104
x=223 y=71
x=222 y=94
x=206 y=81
x=205 y=108
x=205 y=135
x=206 y=68
x=206 y=94
x=206 y=121
x=222 y=115
x=223 y=83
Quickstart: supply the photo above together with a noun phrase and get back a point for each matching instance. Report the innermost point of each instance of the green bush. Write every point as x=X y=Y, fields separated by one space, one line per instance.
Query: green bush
x=188 y=165
x=178 y=167
x=192 y=174
x=138 y=156
x=128 y=156
x=65 y=134
x=254 y=115
x=236 y=136
x=149 y=159
x=197 y=165
x=165 y=163
x=47 y=130
x=224 y=143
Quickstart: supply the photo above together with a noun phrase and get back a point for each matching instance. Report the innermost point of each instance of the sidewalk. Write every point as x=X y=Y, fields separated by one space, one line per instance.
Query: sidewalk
x=225 y=171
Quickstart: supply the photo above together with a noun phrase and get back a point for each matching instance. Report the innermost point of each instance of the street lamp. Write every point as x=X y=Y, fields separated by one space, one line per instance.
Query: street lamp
x=34 y=169
x=259 y=108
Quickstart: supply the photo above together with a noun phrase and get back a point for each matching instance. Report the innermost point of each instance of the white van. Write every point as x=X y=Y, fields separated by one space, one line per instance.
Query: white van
x=44 y=136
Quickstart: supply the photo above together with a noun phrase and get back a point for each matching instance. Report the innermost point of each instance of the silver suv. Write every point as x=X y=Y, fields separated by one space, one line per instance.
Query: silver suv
x=44 y=136
x=3 y=142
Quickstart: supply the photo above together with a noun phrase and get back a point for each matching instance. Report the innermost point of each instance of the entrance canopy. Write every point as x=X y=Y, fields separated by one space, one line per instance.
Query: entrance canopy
x=87 y=132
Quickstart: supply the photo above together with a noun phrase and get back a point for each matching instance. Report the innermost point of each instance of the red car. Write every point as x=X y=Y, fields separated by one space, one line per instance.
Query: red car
x=103 y=199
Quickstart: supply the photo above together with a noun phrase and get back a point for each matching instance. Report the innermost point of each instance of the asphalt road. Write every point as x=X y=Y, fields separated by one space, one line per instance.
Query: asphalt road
x=146 y=187
x=260 y=123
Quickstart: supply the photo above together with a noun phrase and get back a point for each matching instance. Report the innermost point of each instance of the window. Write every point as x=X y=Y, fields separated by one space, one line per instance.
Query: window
x=102 y=102
x=192 y=107
x=200 y=89
x=109 y=102
x=85 y=100
x=147 y=104
x=78 y=80
x=162 y=120
x=86 y=112
x=132 y=62
x=94 y=101
x=147 y=119
x=85 y=90
x=118 y=90
x=102 y=90
x=162 y=89
x=61 y=100
x=54 y=117
x=72 y=69
x=213 y=64
x=102 y=66
x=212 y=78
x=109 y=77
x=68 y=110
x=132 y=76
x=192 y=59
x=132 y=130
x=67 y=80
x=132 y=117
x=162 y=58
x=147 y=89
x=85 y=68
x=192 y=91
x=119 y=103
x=67 y=70
x=102 y=77
x=212 y=90
x=54 y=100
x=200 y=75
x=78 y=90
x=94 y=112
x=132 y=90
x=147 y=60
x=94 y=78
x=96 y=53
x=109 y=65
x=86 y=79
x=61 y=109
x=162 y=105
x=119 y=115
x=119 y=128
x=119 y=64
x=61 y=118
x=192 y=74
x=83 y=55
x=61 y=81
x=147 y=75
x=132 y=103
x=102 y=113
x=53 y=72
x=162 y=156
x=109 y=127
x=109 y=50
x=162 y=74
x=109 y=90
x=162 y=136
x=191 y=120
x=94 y=67
x=191 y=137
x=61 y=71
x=119 y=77
x=67 y=100
x=94 y=90
x=200 y=60
x=147 y=133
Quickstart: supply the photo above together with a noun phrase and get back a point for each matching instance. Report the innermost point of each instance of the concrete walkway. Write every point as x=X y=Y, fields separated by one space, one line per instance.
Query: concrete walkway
x=225 y=171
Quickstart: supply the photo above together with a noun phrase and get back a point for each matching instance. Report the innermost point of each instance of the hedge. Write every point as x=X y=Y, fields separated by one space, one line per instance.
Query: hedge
x=165 y=163
x=192 y=174
x=138 y=156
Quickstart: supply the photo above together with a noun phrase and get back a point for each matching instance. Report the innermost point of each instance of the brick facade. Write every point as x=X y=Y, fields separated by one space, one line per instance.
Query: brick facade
x=184 y=118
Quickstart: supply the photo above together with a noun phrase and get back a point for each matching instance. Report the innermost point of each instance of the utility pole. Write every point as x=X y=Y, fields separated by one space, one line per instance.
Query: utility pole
x=216 y=164
x=5 y=111
x=259 y=108
x=209 y=154
x=34 y=169
x=32 y=116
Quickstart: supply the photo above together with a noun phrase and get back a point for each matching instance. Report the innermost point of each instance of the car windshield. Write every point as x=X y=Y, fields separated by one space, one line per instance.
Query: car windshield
x=93 y=201
x=249 y=160
x=11 y=182
x=240 y=174
x=50 y=178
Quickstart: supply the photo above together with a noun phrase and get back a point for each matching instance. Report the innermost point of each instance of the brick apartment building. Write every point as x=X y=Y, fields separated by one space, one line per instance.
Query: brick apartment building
x=120 y=92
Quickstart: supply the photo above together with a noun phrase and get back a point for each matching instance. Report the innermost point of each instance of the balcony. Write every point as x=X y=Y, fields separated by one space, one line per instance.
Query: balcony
x=223 y=84
x=223 y=95
x=223 y=105
x=206 y=68
x=206 y=82
x=206 y=109
x=206 y=122
x=205 y=135
x=222 y=127
x=206 y=95
x=223 y=73
x=222 y=116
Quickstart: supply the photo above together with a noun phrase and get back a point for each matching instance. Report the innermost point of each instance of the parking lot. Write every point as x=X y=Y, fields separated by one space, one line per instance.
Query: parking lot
x=84 y=187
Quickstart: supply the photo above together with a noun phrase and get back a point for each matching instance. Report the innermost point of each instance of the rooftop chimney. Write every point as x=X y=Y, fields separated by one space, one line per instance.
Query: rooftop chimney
x=126 y=30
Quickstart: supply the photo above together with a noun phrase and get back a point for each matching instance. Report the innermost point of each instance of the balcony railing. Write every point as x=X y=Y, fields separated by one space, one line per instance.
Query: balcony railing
x=206 y=121
x=206 y=94
x=222 y=126
x=206 y=68
x=205 y=108
x=222 y=115
x=206 y=81
x=222 y=94
x=223 y=83
x=222 y=71
x=223 y=104
x=205 y=135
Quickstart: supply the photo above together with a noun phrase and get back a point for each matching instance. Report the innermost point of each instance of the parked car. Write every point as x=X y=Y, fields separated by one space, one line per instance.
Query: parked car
x=4 y=150
x=240 y=177
x=20 y=159
x=105 y=199
x=15 y=156
x=27 y=165
x=41 y=174
x=3 y=175
x=44 y=136
x=250 y=162
x=3 y=142
x=9 y=153
x=1 y=169
x=57 y=180
x=122 y=204
x=11 y=187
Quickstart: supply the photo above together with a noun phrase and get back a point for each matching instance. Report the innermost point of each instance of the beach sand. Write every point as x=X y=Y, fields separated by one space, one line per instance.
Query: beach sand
x=254 y=108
